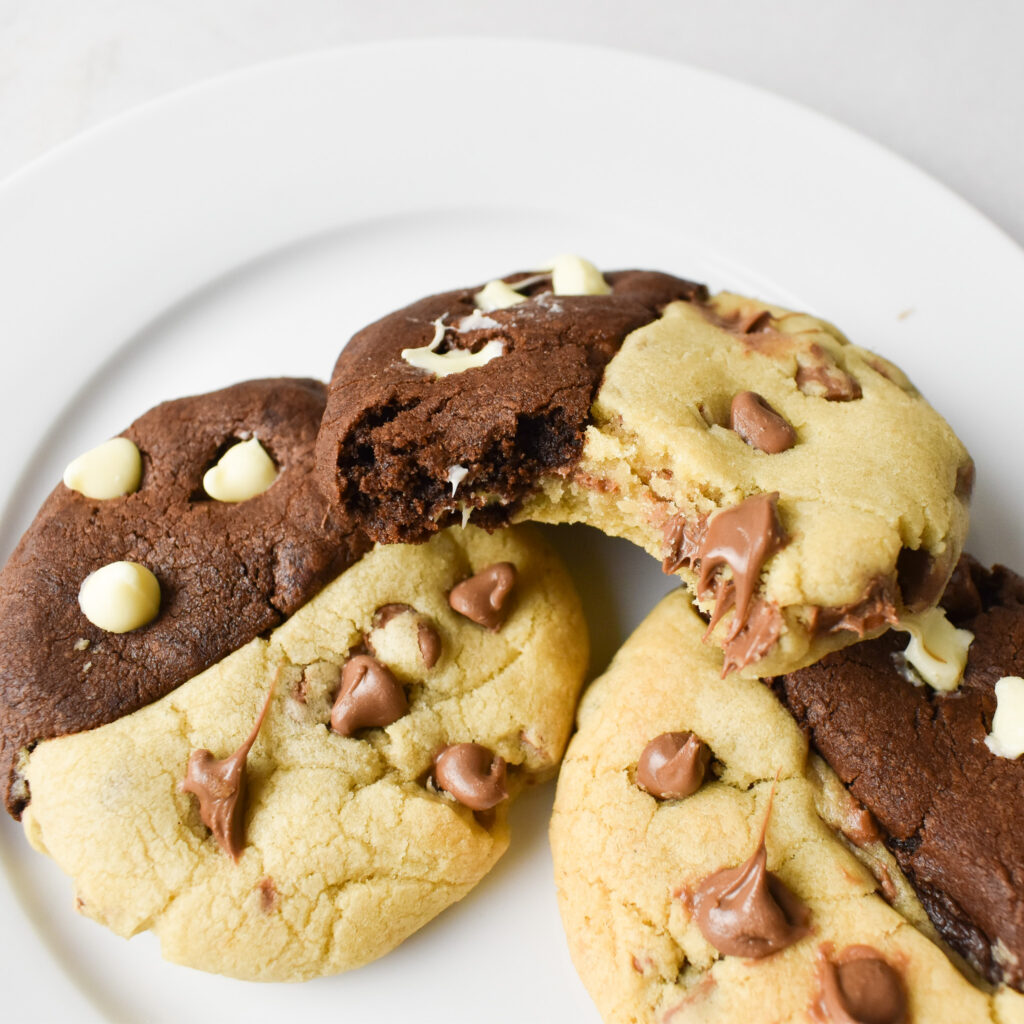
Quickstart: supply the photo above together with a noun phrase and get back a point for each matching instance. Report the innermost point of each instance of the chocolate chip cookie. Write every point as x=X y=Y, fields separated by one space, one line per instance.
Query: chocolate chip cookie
x=710 y=867
x=307 y=802
x=165 y=550
x=800 y=485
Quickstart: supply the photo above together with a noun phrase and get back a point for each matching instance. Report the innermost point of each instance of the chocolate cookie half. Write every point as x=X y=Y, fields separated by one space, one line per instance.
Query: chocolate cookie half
x=730 y=438
x=919 y=761
x=177 y=578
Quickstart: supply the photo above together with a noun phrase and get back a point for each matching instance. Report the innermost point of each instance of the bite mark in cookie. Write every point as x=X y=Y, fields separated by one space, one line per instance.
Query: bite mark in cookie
x=653 y=407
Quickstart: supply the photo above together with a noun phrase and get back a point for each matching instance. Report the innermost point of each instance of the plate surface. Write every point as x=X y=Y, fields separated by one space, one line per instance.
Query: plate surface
x=247 y=227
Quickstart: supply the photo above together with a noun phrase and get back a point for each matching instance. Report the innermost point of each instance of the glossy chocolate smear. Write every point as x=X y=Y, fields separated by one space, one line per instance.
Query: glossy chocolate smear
x=391 y=432
x=754 y=420
x=743 y=538
x=485 y=597
x=672 y=765
x=221 y=787
x=877 y=608
x=860 y=987
x=473 y=774
x=370 y=697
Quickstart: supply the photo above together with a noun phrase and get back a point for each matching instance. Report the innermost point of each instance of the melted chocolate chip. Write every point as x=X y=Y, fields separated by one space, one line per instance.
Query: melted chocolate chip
x=484 y=598
x=921 y=577
x=965 y=480
x=473 y=774
x=221 y=787
x=672 y=765
x=370 y=697
x=757 y=423
x=861 y=988
x=756 y=637
x=877 y=608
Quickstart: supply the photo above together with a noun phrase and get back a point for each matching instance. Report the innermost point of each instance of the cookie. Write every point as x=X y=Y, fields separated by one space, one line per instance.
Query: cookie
x=387 y=731
x=763 y=895
x=216 y=573
x=918 y=759
x=798 y=484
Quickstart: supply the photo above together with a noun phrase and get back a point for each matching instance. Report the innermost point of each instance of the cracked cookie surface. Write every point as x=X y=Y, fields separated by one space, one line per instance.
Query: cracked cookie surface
x=227 y=572
x=350 y=845
x=629 y=865
x=649 y=413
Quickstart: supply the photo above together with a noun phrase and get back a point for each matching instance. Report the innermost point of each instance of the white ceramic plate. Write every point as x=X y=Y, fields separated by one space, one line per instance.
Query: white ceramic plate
x=247 y=227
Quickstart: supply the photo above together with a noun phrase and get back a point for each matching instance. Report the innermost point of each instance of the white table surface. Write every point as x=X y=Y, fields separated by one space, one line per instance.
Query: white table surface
x=939 y=83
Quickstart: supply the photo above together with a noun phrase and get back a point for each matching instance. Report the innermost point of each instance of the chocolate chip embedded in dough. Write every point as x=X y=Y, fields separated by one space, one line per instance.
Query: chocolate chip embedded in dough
x=861 y=987
x=370 y=697
x=221 y=787
x=473 y=774
x=818 y=375
x=672 y=765
x=484 y=598
x=757 y=423
x=746 y=911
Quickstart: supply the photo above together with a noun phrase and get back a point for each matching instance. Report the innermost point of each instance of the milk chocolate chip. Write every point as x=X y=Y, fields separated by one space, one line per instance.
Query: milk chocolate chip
x=220 y=786
x=484 y=598
x=759 y=424
x=746 y=910
x=861 y=988
x=672 y=765
x=472 y=774
x=370 y=697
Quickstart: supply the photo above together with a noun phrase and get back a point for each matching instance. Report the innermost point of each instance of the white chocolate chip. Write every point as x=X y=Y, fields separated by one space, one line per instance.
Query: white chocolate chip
x=457 y=360
x=243 y=471
x=937 y=650
x=573 y=275
x=106 y=471
x=456 y=474
x=120 y=597
x=475 y=321
x=497 y=295
x=1007 y=736
x=81 y=644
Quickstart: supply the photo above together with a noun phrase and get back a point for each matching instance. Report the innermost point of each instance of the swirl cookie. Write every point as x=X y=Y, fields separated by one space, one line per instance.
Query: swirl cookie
x=711 y=868
x=181 y=570
x=730 y=438
x=939 y=770
x=305 y=804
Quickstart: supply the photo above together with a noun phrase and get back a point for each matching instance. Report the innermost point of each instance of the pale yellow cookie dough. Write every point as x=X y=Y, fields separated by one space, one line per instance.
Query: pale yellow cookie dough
x=347 y=851
x=866 y=478
x=624 y=862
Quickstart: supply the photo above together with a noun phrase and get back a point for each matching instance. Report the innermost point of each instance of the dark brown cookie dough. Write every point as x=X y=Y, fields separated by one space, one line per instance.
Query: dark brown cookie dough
x=917 y=759
x=227 y=572
x=392 y=432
